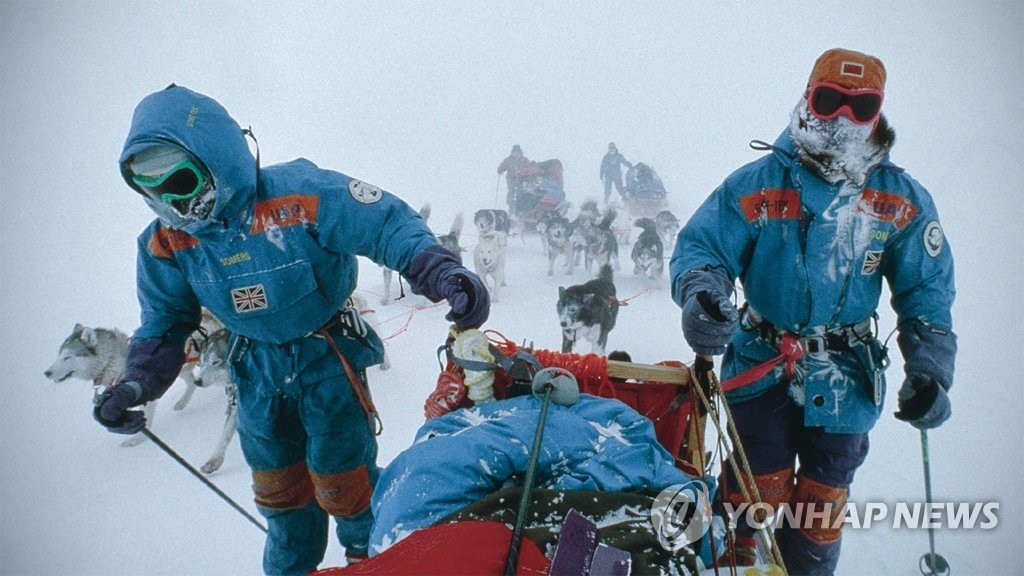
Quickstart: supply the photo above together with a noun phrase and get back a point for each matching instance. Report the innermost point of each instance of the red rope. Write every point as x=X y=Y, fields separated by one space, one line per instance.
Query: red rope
x=362 y=394
x=408 y=315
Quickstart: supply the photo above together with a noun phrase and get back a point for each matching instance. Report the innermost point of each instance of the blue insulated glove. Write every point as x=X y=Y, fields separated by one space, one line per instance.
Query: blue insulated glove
x=112 y=408
x=438 y=274
x=709 y=316
x=929 y=353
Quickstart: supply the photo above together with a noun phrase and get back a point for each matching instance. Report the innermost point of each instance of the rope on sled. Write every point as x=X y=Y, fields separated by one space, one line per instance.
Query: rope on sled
x=591 y=367
x=745 y=476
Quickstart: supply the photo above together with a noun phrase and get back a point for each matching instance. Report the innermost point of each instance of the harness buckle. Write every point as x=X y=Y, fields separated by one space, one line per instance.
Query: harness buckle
x=816 y=346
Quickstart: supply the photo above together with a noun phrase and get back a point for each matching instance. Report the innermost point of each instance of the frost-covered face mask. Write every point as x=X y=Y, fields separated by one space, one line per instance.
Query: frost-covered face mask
x=839 y=148
x=181 y=185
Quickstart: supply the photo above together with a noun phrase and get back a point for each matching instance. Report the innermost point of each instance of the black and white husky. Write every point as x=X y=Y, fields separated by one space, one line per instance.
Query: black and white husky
x=98 y=355
x=648 y=252
x=489 y=220
x=588 y=311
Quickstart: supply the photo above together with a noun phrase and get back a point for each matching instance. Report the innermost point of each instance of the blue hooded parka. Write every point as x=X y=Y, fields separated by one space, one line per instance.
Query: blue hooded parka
x=274 y=261
x=810 y=256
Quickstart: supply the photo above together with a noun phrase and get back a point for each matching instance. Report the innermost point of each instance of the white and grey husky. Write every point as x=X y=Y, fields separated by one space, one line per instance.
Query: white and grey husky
x=588 y=311
x=98 y=355
x=489 y=260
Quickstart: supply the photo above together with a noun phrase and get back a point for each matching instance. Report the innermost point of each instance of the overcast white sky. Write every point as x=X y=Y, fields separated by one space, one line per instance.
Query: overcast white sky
x=425 y=98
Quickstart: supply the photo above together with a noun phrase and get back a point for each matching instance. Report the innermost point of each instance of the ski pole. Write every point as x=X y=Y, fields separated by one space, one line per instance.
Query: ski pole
x=560 y=386
x=496 y=186
x=156 y=440
x=931 y=564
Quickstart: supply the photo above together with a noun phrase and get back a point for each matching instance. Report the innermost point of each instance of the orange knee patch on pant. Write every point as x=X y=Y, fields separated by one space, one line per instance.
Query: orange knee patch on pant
x=774 y=488
x=345 y=493
x=821 y=509
x=283 y=489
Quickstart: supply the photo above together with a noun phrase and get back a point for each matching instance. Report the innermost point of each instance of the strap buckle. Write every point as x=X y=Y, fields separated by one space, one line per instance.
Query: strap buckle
x=816 y=345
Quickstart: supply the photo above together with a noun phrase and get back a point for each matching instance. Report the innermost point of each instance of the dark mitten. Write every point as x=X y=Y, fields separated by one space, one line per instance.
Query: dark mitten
x=439 y=275
x=151 y=366
x=709 y=316
x=929 y=354
x=112 y=408
x=923 y=403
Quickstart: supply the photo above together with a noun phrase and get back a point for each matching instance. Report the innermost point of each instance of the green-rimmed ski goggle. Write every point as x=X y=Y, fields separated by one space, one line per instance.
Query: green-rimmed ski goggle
x=183 y=181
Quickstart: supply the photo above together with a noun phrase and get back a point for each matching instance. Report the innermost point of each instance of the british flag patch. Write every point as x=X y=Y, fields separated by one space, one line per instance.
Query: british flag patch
x=249 y=298
x=872 y=261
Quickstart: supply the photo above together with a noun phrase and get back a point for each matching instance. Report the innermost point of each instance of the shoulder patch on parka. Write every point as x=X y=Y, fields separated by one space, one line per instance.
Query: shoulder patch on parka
x=887 y=207
x=291 y=210
x=771 y=203
x=166 y=241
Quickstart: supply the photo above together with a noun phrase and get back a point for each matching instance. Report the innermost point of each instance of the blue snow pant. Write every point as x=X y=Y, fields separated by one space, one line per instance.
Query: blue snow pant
x=610 y=179
x=311 y=450
x=774 y=437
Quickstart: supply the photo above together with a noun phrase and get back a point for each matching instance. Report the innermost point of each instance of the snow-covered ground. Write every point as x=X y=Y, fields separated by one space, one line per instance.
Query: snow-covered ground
x=425 y=100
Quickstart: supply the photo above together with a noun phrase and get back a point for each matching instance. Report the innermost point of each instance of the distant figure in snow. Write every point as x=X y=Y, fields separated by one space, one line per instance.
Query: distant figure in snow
x=514 y=167
x=611 y=171
x=812 y=230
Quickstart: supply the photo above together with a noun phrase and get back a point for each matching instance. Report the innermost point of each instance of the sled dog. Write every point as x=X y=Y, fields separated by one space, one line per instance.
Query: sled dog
x=213 y=371
x=98 y=355
x=489 y=260
x=588 y=311
x=556 y=236
x=490 y=220
x=451 y=239
x=358 y=302
x=595 y=241
x=389 y=274
x=667 y=226
x=648 y=252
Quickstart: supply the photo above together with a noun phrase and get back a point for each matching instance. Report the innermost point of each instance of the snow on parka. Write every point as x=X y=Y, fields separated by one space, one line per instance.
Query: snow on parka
x=275 y=259
x=811 y=257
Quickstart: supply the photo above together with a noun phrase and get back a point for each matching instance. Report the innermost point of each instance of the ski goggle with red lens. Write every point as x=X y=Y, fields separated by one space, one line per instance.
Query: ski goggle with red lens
x=183 y=181
x=828 y=101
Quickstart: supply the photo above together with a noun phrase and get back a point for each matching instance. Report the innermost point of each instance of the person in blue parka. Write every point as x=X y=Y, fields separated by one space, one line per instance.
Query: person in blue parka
x=810 y=231
x=611 y=171
x=271 y=251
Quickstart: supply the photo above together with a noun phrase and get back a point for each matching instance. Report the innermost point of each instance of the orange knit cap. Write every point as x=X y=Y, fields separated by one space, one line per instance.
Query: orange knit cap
x=849 y=69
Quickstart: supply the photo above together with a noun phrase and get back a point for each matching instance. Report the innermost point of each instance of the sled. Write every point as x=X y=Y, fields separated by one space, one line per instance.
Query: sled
x=539 y=191
x=644 y=192
x=475 y=539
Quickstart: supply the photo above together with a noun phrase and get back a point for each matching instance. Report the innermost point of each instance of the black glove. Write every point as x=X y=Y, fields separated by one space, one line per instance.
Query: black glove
x=438 y=274
x=923 y=403
x=112 y=408
x=709 y=316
